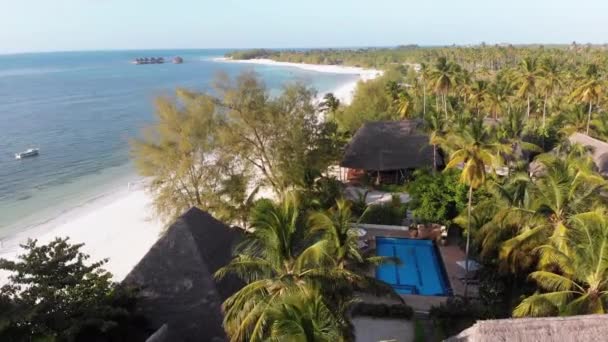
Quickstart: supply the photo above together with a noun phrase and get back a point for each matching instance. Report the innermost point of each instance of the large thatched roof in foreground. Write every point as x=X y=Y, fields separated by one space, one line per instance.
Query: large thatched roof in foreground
x=176 y=277
x=599 y=150
x=588 y=328
x=389 y=145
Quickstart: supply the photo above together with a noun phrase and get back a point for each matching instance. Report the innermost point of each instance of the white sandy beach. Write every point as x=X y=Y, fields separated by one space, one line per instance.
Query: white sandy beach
x=121 y=226
x=344 y=93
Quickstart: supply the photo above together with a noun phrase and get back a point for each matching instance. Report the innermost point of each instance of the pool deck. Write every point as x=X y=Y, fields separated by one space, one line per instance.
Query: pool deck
x=450 y=254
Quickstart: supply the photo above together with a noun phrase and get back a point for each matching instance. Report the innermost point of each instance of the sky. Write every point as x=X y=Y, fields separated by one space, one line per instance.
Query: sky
x=59 y=25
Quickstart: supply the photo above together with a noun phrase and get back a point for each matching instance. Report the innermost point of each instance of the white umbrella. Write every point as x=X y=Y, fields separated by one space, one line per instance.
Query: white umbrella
x=362 y=244
x=473 y=265
x=360 y=232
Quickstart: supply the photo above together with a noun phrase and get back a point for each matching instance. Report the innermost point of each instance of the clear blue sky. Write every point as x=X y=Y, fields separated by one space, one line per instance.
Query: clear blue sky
x=47 y=25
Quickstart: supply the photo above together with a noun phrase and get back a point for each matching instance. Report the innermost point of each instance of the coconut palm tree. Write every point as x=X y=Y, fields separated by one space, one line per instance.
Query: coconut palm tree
x=577 y=281
x=339 y=239
x=589 y=90
x=498 y=96
x=424 y=77
x=275 y=262
x=564 y=186
x=443 y=78
x=527 y=76
x=478 y=94
x=473 y=151
x=405 y=105
x=303 y=316
x=435 y=126
x=330 y=103
x=511 y=145
x=550 y=82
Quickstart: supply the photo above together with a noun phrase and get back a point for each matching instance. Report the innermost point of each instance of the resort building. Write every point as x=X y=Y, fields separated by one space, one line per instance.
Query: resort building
x=386 y=151
x=599 y=150
x=564 y=329
x=179 y=296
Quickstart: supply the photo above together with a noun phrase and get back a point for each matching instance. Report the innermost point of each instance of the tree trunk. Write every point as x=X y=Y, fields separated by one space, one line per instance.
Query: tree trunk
x=445 y=106
x=466 y=249
x=544 y=110
x=423 y=101
x=589 y=116
x=528 y=117
x=434 y=158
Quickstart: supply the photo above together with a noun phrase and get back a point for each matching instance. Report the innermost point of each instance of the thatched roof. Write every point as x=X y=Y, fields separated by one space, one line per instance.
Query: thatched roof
x=599 y=150
x=586 y=328
x=176 y=278
x=389 y=145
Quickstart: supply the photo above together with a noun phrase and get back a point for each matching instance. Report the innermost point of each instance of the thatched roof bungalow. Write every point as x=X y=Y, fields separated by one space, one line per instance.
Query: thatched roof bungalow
x=599 y=150
x=179 y=296
x=588 y=328
x=388 y=148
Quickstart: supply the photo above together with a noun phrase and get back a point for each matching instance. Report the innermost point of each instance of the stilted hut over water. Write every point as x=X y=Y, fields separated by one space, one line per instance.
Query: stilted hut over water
x=146 y=60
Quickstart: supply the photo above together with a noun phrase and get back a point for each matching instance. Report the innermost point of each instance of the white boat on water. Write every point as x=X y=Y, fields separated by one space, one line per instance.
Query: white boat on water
x=28 y=153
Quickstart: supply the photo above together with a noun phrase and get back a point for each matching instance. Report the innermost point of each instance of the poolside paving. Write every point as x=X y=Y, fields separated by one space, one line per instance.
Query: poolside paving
x=369 y=329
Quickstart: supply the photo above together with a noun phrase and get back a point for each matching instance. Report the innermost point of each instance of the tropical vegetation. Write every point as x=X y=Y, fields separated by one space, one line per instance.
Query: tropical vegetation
x=55 y=294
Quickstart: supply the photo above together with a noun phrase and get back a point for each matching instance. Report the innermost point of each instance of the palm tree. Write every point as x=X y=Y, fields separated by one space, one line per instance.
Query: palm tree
x=589 y=90
x=303 y=316
x=478 y=94
x=565 y=186
x=472 y=151
x=339 y=239
x=329 y=104
x=511 y=139
x=436 y=128
x=577 y=281
x=550 y=82
x=443 y=78
x=498 y=94
x=424 y=76
x=526 y=76
x=405 y=105
x=274 y=264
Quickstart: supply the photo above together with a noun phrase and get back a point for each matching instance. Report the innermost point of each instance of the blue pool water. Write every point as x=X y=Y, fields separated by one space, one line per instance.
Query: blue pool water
x=421 y=270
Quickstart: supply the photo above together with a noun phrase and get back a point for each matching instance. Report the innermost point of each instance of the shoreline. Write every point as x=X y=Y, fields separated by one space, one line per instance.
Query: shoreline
x=119 y=224
x=344 y=93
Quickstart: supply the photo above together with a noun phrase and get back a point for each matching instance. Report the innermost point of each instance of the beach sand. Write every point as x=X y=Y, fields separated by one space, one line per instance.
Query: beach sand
x=344 y=93
x=121 y=226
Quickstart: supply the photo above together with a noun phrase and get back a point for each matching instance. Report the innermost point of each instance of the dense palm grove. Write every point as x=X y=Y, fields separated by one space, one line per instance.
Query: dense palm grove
x=536 y=207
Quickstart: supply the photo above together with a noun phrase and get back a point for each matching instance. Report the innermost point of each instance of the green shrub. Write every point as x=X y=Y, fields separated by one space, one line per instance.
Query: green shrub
x=55 y=294
x=436 y=197
x=383 y=310
x=419 y=335
x=393 y=188
x=454 y=316
x=324 y=193
x=387 y=213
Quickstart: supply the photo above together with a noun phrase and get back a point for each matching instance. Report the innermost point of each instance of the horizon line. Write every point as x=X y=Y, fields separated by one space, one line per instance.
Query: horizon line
x=327 y=47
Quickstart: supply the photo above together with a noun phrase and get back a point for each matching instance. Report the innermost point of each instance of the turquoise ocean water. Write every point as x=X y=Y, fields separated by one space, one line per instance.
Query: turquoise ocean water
x=81 y=108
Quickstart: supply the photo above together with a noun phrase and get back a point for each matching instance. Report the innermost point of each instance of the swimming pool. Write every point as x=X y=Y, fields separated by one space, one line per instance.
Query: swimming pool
x=421 y=271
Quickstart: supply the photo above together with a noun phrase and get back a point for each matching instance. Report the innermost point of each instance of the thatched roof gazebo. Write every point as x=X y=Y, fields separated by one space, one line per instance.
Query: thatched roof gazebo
x=389 y=146
x=179 y=294
x=588 y=328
